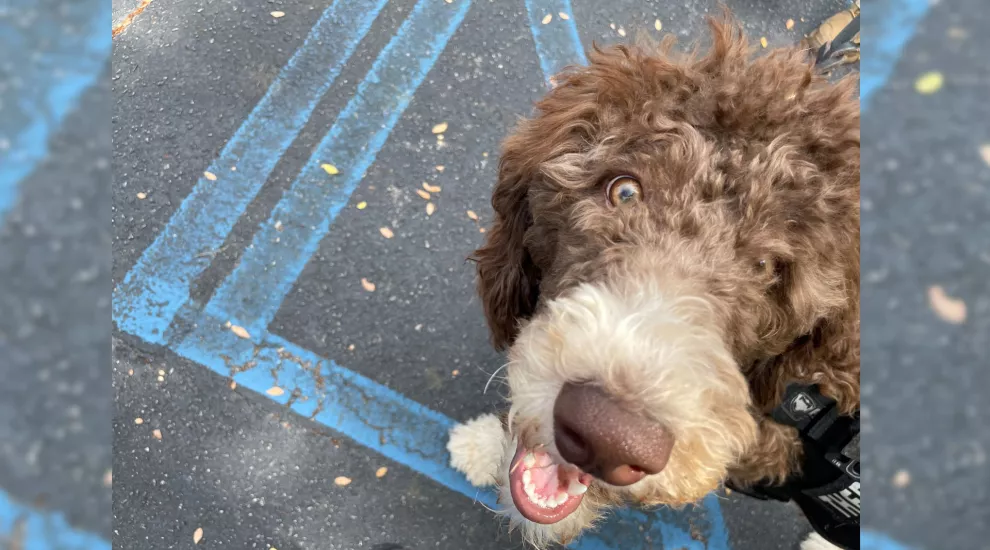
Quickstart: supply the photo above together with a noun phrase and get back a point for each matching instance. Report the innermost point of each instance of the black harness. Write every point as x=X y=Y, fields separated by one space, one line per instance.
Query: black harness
x=828 y=490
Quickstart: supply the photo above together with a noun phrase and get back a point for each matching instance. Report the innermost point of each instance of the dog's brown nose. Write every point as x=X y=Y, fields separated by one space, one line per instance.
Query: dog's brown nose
x=594 y=432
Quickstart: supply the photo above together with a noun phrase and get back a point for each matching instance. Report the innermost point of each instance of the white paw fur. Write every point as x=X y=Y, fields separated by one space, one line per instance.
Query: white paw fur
x=477 y=448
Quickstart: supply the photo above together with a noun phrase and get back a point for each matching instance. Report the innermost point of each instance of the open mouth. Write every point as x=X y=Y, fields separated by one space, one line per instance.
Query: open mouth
x=545 y=491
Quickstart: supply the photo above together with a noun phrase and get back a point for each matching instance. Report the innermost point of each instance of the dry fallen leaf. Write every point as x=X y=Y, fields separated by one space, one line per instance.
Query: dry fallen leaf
x=142 y=195
x=386 y=232
x=985 y=153
x=901 y=479
x=108 y=478
x=139 y=420
x=342 y=481
x=275 y=391
x=380 y=472
x=362 y=205
x=233 y=385
x=472 y=215
x=431 y=188
x=210 y=176
x=423 y=194
x=161 y=372
x=612 y=26
x=950 y=310
x=481 y=230
x=658 y=25
x=563 y=15
x=197 y=535
x=929 y=83
x=157 y=434
x=957 y=33
x=547 y=18
x=440 y=128
x=241 y=332
x=439 y=168
x=130 y=372
x=330 y=169
x=368 y=285
x=161 y=378
x=789 y=24
x=763 y=41
x=430 y=208
x=277 y=14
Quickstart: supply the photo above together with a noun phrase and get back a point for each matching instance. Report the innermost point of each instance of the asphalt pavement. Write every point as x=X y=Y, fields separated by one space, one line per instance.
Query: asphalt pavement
x=349 y=350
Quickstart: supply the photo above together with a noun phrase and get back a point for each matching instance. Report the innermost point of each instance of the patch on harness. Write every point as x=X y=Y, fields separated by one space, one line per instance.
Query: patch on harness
x=801 y=404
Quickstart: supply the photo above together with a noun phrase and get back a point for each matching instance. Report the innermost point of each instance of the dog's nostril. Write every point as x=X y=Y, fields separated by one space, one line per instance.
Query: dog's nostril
x=571 y=445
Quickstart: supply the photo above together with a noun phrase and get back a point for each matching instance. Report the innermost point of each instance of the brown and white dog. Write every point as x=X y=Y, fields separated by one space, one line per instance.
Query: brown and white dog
x=676 y=238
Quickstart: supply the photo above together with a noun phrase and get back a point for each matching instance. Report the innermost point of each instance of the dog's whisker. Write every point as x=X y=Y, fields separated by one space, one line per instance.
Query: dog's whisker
x=492 y=377
x=483 y=505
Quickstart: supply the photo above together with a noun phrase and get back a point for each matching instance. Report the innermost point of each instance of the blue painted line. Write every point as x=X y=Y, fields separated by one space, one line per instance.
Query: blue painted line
x=557 y=43
x=48 y=87
x=872 y=540
x=403 y=430
x=158 y=285
x=886 y=29
x=37 y=530
x=253 y=292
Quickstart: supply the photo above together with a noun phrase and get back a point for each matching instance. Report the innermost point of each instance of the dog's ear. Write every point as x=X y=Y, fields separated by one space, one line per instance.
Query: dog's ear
x=508 y=280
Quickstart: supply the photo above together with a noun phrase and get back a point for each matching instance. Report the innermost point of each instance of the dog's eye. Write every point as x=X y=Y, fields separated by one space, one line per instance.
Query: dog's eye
x=623 y=190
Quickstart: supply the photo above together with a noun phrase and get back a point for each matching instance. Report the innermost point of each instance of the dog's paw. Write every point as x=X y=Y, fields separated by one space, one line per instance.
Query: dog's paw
x=817 y=542
x=477 y=449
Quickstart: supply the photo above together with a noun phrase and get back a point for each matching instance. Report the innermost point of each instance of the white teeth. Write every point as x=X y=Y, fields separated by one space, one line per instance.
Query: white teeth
x=527 y=477
x=576 y=488
x=561 y=498
x=529 y=460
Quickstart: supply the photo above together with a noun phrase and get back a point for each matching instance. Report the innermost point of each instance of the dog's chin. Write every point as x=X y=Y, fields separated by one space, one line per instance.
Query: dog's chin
x=544 y=490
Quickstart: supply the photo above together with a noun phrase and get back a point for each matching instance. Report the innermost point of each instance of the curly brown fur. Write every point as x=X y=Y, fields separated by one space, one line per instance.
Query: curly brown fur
x=740 y=160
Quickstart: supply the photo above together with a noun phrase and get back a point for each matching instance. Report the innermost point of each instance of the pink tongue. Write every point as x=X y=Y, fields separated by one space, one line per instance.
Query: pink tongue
x=546 y=480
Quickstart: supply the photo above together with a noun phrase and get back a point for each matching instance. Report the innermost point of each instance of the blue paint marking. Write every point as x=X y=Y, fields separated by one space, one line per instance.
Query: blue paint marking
x=37 y=530
x=557 y=43
x=158 y=285
x=252 y=294
x=887 y=29
x=871 y=540
x=69 y=53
